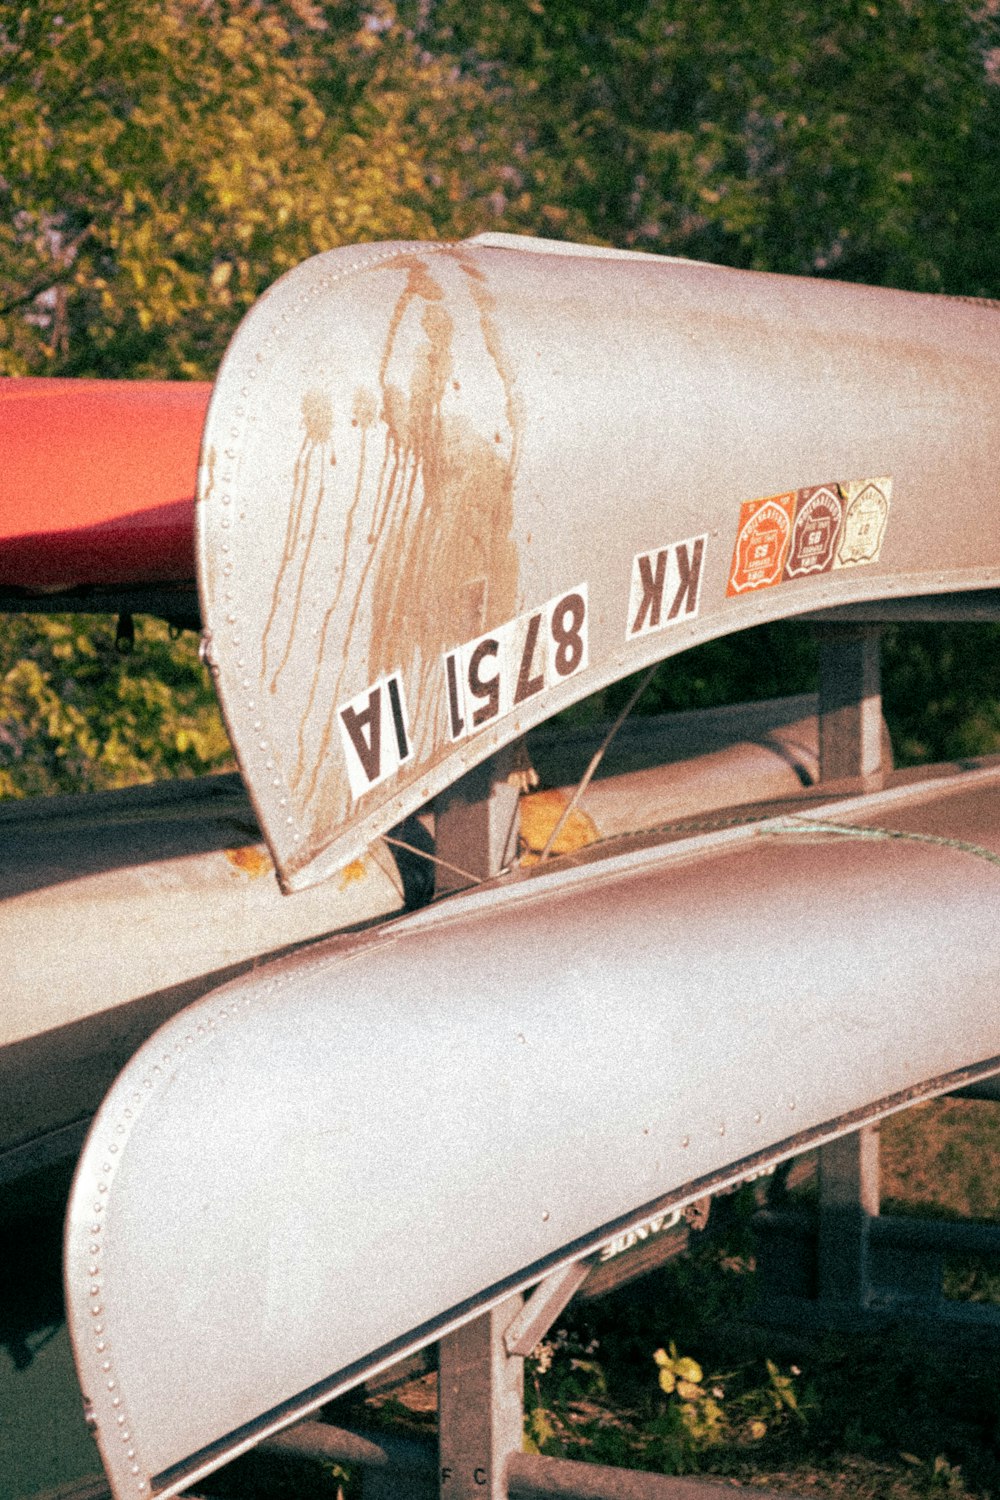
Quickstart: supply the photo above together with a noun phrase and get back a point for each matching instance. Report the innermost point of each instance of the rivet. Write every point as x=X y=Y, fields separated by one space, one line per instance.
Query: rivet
x=112 y=1384
x=545 y=1216
x=98 y=1207
x=116 y=1401
x=120 y=1418
x=791 y=1104
x=102 y=1187
x=757 y=1117
x=94 y=1249
x=97 y=1309
x=101 y=1345
x=685 y=1140
x=225 y=523
x=128 y=1114
x=92 y=1270
x=98 y=1327
x=94 y=1291
x=106 y=1167
x=722 y=1127
x=113 y=1149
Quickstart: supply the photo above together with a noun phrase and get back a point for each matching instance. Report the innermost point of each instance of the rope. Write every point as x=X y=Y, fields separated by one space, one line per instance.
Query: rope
x=434 y=859
x=595 y=761
x=797 y=823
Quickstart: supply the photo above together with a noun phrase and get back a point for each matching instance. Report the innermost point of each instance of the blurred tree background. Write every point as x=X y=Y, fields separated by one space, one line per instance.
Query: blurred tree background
x=163 y=161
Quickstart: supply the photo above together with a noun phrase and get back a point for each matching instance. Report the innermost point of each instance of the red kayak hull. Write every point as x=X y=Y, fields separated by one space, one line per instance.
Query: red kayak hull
x=98 y=482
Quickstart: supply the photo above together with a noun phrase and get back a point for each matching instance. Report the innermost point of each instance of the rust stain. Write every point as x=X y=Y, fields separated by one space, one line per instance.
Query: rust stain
x=317 y=420
x=209 y=470
x=364 y=412
x=249 y=860
x=351 y=874
x=425 y=550
x=540 y=812
x=443 y=560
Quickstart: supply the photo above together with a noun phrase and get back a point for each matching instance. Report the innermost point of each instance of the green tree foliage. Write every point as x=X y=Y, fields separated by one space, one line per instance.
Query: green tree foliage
x=76 y=714
x=163 y=161
x=842 y=137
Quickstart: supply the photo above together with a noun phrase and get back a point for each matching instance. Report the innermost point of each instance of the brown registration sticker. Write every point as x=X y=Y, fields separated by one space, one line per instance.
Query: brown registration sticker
x=817 y=527
x=762 y=543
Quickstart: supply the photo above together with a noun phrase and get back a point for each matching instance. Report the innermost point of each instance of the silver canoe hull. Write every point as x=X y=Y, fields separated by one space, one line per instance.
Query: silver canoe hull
x=118 y=909
x=447 y=490
x=314 y=1170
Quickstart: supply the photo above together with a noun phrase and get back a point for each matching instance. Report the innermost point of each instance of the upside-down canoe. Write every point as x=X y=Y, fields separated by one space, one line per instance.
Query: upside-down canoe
x=445 y=491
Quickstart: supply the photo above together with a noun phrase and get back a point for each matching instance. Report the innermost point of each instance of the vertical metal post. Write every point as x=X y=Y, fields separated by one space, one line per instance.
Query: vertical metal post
x=848 y=1201
x=476 y=825
x=480 y=1407
x=850 y=705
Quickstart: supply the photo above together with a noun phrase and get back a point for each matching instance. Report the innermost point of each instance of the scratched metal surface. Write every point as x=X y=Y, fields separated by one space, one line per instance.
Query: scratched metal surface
x=316 y=1169
x=448 y=489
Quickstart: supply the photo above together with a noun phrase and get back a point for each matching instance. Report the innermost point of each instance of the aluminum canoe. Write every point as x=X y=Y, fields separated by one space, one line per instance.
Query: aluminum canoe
x=449 y=489
x=117 y=909
x=325 y=1165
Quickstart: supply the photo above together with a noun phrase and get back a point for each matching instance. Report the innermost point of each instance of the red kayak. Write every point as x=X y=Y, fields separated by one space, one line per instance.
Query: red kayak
x=98 y=482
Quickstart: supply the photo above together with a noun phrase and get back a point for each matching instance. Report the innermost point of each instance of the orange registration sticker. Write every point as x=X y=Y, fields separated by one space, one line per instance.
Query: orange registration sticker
x=761 y=543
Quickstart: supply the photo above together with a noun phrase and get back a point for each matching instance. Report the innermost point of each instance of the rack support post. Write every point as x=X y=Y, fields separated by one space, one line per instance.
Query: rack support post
x=480 y=1407
x=848 y=1201
x=850 y=705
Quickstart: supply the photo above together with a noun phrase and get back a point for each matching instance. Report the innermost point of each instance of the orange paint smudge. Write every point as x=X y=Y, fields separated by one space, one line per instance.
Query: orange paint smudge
x=540 y=812
x=249 y=860
x=351 y=873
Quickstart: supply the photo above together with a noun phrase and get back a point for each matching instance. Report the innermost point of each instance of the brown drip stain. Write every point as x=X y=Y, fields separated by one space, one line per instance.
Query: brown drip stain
x=440 y=564
x=303 y=516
